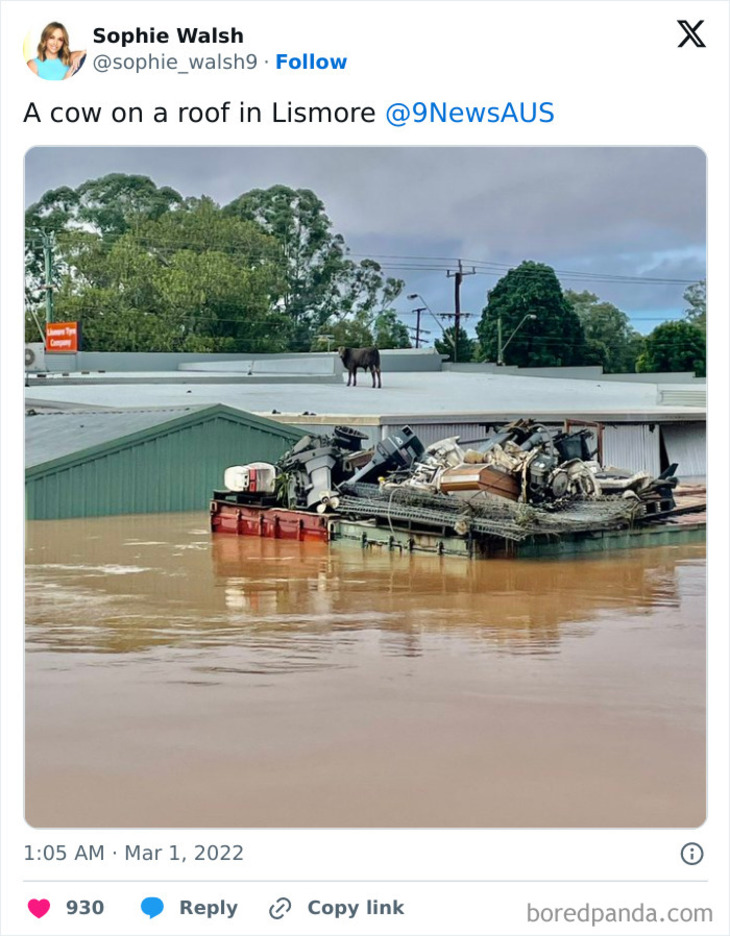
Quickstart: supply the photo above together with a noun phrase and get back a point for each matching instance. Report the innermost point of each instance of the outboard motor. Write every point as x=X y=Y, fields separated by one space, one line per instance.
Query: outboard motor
x=395 y=453
x=539 y=476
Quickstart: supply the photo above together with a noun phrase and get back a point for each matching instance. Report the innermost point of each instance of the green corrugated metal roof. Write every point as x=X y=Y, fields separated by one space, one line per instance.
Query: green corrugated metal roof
x=52 y=435
x=172 y=460
x=72 y=438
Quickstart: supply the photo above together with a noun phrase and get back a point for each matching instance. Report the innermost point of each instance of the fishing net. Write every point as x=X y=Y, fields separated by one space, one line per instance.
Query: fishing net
x=486 y=515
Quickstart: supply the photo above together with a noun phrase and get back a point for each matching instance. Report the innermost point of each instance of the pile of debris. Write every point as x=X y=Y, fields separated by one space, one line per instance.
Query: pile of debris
x=524 y=480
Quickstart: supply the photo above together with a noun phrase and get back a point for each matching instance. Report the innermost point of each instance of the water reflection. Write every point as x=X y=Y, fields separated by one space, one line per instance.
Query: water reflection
x=98 y=586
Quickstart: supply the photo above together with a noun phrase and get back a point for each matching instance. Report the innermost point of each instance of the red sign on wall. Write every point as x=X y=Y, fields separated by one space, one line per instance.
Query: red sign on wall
x=62 y=336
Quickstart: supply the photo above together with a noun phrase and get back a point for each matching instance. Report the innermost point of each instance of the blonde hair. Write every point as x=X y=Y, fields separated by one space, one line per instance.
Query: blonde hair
x=65 y=53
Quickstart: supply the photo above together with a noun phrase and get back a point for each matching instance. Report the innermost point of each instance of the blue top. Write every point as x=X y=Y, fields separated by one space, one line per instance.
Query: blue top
x=51 y=69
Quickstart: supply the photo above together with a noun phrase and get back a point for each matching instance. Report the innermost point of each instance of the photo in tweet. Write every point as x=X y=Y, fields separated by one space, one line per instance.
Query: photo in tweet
x=366 y=487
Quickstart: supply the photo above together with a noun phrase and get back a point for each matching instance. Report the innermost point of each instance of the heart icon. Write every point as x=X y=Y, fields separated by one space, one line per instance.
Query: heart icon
x=39 y=908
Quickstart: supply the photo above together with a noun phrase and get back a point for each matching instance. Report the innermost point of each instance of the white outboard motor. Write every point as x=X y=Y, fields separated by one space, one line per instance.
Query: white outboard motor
x=254 y=478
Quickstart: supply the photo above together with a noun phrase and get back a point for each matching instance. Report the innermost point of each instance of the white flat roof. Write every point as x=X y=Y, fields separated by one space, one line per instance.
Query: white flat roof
x=444 y=395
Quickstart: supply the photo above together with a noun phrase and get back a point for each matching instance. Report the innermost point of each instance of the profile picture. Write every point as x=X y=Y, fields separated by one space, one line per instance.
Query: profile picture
x=53 y=57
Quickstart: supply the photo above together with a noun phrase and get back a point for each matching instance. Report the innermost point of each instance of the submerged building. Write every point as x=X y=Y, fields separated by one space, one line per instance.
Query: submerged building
x=112 y=441
x=92 y=463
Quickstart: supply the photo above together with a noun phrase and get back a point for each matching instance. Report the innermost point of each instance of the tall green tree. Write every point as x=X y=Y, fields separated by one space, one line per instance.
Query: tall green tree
x=363 y=330
x=389 y=331
x=312 y=258
x=467 y=346
x=611 y=340
x=353 y=332
x=98 y=211
x=321 y=285
x=118 y=203
x=674 y=347
x=553 y=338
x=696 y=298
x=192 y=280
x=149 y=270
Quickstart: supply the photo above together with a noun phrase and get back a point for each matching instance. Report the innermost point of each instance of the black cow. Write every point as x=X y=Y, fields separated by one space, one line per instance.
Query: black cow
x=367 y=358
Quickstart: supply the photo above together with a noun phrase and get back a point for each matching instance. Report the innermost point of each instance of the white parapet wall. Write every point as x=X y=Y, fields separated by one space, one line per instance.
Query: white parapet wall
x=313 y=363
x=279 y=364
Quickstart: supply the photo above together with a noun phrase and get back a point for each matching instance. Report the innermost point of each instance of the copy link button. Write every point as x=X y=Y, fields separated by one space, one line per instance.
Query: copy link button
x=692 y=853
x=279 y=908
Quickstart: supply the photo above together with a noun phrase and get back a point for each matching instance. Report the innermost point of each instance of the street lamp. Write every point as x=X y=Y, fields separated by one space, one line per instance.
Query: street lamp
x=449 y=339
x=501 y=348
x=428 y=308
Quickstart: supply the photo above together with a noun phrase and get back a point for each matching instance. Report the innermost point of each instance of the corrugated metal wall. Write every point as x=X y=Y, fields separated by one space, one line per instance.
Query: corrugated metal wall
x=624 y=446
x=686 y=444
x=176 y=469
x=634 y=447
x=683 y=396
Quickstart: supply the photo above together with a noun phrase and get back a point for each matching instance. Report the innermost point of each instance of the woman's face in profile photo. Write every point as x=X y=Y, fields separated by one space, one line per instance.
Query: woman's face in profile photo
x=54 y=43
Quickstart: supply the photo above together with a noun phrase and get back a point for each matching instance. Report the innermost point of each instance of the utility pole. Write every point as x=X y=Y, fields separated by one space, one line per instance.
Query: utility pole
x=48 y=266
x=458 y=278
x=418 y=328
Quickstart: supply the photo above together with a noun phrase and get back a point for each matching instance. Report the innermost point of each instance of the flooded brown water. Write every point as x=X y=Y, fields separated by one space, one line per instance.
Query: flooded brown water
x=176 y=679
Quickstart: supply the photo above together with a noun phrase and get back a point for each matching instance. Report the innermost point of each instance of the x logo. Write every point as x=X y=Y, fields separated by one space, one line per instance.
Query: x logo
x=691 y=34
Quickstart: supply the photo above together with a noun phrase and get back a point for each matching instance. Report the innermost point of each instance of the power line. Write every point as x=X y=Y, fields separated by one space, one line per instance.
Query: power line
x=411 y=263
x=489 y=267
x=186 y=316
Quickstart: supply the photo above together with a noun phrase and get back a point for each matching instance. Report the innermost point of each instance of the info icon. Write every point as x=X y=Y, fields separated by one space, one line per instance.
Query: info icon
x=692 y=853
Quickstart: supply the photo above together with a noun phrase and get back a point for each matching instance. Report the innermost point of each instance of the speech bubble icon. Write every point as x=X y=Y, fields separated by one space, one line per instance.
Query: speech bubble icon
x=152 y=906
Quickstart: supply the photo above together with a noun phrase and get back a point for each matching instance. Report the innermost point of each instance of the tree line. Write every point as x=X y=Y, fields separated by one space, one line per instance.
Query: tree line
x=538 y=324
x=144 y=269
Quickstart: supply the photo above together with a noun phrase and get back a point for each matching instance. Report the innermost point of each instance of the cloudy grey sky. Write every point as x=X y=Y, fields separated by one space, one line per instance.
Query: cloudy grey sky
x=622 y=218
